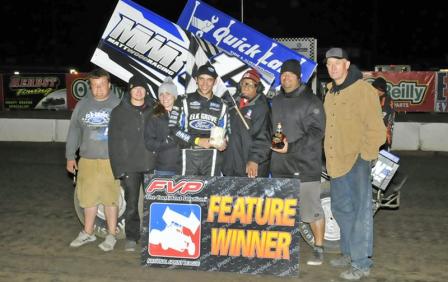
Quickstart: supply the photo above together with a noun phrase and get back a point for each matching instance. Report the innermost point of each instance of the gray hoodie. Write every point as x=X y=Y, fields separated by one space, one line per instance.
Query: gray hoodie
x=88 y=129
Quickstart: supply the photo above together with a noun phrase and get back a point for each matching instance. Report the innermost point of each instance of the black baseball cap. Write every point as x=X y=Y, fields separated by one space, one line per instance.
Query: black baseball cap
x=207 y=69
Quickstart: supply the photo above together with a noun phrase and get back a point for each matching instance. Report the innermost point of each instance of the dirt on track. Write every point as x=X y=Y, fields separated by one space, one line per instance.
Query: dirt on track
x=38 y=221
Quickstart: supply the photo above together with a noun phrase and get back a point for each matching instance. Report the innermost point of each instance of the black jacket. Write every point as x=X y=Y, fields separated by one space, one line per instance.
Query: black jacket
x=127 y=149
x=158 y=140
x=303 y=122
x=249 y=145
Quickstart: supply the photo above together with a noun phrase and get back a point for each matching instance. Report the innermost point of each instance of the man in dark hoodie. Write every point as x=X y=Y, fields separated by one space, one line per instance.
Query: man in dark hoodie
x=302 y=117
x=354 y=133
x=248 y=151
x=128 y=155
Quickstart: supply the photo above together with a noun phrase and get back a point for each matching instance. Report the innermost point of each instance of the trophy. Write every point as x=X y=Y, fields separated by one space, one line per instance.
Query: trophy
x=217 y=136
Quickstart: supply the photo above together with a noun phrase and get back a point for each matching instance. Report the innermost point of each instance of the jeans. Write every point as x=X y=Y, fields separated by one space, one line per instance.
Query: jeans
x=351 y=205
x=131 y=184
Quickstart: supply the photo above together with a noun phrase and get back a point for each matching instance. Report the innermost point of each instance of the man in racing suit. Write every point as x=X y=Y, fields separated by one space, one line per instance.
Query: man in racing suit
x=191 y=121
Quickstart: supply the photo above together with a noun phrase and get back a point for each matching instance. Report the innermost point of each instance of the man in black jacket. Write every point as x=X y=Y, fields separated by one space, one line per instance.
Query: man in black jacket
x=248 y=151
x=302 y=117
x=128 y=155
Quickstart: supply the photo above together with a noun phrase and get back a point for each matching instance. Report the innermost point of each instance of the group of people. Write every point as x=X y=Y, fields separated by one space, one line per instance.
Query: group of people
x=119 y=142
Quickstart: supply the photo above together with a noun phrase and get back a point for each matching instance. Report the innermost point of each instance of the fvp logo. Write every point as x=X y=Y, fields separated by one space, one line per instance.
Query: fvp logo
x=171 y=187
x=174 y=230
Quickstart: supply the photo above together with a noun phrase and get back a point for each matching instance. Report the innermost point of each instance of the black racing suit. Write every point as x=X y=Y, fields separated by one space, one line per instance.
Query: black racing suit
x=192 y=117
x=251 y=144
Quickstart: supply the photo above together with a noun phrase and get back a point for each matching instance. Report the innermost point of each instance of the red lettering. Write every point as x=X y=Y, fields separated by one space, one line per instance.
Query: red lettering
x=171 y=187
x=156 y=184
x=192 y=187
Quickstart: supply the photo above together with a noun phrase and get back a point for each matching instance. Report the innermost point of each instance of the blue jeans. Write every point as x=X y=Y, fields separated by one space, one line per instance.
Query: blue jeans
x=351 y=205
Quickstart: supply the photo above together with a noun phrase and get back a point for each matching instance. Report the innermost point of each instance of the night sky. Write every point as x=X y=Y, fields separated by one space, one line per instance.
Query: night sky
x=45 y=35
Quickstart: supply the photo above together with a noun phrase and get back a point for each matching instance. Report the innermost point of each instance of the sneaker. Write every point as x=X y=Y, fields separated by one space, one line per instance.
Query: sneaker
x=355 y=274
x=109 y=243
x=318 y=256
x=129 y=246
x=83 y=238
x=341 y=261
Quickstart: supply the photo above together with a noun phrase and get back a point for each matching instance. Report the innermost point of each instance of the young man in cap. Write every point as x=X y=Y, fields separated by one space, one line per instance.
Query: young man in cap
x=248 y=152
x=191 y=122
x=95 y=185
x=128 y=155
x=387 y=106
x=302 y=117
x=353 y=135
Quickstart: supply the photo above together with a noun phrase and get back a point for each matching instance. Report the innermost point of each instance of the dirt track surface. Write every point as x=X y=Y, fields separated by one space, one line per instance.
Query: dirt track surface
x=38 y=220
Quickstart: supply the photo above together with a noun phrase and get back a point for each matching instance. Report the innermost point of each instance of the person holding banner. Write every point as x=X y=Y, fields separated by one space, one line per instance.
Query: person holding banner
x=353 y=135
x=88 y=132
x=157 y=134
x=387 y=106
x=128 y=155
x=248 y=152
x=199 y=124
x=302 y=117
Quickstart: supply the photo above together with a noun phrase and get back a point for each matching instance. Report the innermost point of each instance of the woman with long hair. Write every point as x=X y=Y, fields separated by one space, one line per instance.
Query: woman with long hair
x=157 y=137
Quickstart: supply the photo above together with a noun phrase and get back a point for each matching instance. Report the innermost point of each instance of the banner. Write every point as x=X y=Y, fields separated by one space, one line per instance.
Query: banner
x=232 y=224
x=237 y=39
x=138 y=42
x=411 y=91
x=34 y=92
x=78 y=88
x=442 y=92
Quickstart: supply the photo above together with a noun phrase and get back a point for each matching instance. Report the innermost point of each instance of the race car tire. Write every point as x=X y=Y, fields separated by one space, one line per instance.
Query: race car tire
x=100 y=226
x=332 y=233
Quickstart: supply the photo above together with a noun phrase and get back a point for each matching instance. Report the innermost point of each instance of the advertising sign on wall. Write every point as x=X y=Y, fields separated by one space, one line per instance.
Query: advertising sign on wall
x=34 y=91
x=411 y=91
x=232 y=224
x=441 y=92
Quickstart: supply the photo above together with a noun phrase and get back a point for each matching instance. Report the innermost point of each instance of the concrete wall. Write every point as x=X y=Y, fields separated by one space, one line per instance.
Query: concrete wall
x=35 y=130
x=407 y=135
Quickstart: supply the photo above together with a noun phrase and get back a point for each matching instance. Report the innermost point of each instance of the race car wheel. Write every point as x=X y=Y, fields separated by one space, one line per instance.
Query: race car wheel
x=332 y=234
x=100 y=227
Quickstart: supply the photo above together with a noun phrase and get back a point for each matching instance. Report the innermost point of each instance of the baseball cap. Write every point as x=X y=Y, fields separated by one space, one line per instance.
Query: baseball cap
x=337 y=53
x=207 y=69
x=252 y=74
